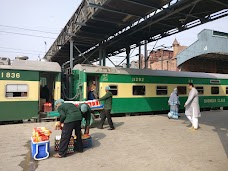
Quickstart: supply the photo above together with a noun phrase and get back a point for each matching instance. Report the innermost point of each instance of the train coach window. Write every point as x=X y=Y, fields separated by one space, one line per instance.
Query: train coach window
x=182 y=90
x=16 y=90
x=226 y=90
x=162 y=90
x=138 y=90
x=113 y=89
x=214 y=90
x=200 y=90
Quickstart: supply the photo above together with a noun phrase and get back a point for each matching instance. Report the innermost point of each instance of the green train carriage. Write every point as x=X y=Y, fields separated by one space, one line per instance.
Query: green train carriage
x=20 y=88
x=137 y=90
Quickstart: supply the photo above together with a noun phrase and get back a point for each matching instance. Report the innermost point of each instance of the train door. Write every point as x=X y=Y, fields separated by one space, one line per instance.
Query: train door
x=92 y=86
x=50 y=88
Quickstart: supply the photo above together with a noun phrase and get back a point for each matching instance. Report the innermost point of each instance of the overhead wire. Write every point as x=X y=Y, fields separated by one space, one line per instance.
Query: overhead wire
x=21 y=28
x=23 y=34
x=19 y=52
x=21 y=49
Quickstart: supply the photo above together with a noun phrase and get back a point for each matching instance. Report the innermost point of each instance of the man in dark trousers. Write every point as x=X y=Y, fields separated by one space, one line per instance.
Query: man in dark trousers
x=86 y=113
x=71 y=117
x=107 y=109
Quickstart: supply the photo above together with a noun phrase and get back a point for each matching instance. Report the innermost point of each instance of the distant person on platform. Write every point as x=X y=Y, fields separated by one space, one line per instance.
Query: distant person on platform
x=106 y=113
x=92 y=91
x=174 y=104
x=192 y=109
x=70 y=117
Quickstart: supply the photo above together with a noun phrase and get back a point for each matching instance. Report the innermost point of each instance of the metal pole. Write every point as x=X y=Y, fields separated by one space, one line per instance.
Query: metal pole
x=45 y=44
x=104 y=57
x=128 y=56
x=86 y=58
x=71 y=66
x=100 y=56
x=161 y=59
x=111 y=62
x=146 y=66
x=139 y=56
x=71 y=53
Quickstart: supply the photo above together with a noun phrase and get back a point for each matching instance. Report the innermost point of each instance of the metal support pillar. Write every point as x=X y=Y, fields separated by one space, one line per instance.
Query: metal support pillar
x=145 y=55
x=128 y=56
x=100 y=56
x=162 y=59
x=104 y=57
x=71 y=67
x=71 y=53
x=139 y=56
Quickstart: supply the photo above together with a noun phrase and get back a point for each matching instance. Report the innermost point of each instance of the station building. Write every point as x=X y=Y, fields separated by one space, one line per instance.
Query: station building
x=208 y=54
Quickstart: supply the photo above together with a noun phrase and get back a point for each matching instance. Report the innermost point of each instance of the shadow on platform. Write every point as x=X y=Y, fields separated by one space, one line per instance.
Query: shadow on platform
x=216 y=118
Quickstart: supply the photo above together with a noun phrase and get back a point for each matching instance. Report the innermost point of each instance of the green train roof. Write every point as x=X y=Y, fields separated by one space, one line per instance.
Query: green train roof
x=33 y=66
x=132 y=71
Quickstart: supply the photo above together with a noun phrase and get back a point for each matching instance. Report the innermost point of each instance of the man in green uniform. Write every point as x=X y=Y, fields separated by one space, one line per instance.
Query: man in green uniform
x=86 y=113
x=71 y=116
x=107 y=109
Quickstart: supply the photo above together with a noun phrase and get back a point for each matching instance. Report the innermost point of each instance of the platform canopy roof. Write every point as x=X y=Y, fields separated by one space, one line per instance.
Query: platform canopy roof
x=118 y=24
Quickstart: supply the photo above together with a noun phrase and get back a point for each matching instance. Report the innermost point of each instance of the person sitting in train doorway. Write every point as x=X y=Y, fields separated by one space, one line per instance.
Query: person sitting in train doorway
x=70 y=117
x=92 y=91
x=106 y=113
x=192 y=109
x=174 y=104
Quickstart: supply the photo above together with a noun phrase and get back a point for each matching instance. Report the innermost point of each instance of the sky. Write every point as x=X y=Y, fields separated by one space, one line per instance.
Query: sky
x=19 y=19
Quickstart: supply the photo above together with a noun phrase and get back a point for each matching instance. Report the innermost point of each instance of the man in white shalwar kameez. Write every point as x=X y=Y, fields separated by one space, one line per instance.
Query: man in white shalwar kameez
x=192 y=109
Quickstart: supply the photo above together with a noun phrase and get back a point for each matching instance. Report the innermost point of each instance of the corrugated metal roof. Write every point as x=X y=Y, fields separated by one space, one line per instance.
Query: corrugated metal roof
x=117 y=24
x=33 y=66
x=209 y=42
x=131 y=71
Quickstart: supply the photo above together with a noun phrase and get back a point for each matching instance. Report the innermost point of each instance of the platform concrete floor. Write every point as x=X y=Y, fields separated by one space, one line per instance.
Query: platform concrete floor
x=149 y=142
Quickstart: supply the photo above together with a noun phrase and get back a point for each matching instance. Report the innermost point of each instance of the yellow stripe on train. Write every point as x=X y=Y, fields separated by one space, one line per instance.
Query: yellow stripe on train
x=125 y=90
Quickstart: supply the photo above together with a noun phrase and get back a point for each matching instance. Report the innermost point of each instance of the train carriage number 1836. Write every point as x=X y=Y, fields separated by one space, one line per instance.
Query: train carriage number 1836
x=10 y=75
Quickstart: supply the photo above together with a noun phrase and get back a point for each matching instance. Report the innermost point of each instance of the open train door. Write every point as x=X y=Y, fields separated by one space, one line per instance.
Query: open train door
x=93 y=84
x=50 y=87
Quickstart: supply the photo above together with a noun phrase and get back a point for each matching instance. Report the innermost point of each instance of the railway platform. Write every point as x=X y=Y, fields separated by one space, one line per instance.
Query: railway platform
x=146 y=142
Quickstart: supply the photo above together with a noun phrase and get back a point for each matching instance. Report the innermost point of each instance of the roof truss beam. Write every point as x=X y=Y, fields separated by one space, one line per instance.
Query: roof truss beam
x=172 y=26
x=108 y=21
x=93 y=33
x=113 y=10
x=82 y=44
x=142 y=4
x=221 y=3
x=95 y=27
